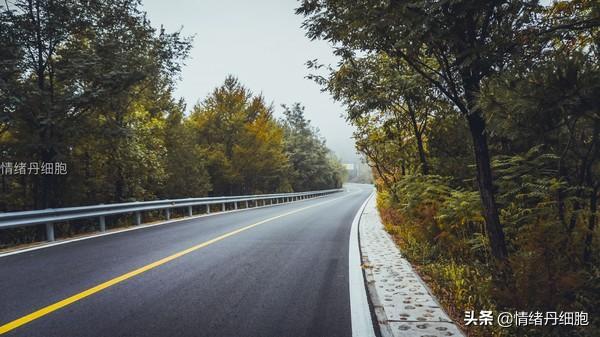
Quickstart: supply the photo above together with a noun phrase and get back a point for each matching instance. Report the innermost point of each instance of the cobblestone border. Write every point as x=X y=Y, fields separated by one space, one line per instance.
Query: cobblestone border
x=403 y=304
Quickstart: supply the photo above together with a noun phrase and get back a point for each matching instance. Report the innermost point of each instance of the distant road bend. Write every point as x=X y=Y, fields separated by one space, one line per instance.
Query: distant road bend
x=272 y=271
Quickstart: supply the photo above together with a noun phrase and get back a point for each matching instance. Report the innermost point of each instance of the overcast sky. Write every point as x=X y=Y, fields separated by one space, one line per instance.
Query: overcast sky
x=260 y=42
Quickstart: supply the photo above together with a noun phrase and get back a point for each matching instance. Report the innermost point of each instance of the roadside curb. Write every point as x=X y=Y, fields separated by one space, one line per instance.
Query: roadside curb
x=402 y=302
x=360 y=313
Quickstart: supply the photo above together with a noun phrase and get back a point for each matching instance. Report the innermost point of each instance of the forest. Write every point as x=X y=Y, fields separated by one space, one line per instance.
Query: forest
x=88 y=86
x=481 y=122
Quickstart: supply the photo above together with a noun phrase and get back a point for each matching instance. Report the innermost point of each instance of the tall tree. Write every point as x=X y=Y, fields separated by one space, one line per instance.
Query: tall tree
x=312 y=165
x=379 y=84
x=234 y=127
x=84 y=75
x=185 y=161
x=457 y=45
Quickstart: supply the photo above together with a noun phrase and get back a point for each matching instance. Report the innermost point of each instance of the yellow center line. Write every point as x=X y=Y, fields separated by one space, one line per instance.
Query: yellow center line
x=70 y=300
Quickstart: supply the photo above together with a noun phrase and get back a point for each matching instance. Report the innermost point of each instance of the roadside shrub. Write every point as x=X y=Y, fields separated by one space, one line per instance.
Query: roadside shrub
x=441 y=230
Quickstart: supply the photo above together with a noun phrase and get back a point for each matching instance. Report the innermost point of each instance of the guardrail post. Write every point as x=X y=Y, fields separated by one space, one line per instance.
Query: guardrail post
x=190 y=211
x=102 y=224
x=246 y=203
x=138 y=218
x=235 y=205
x=207 y=208
x=167 y=214
x=49 y=231
x=223 y=207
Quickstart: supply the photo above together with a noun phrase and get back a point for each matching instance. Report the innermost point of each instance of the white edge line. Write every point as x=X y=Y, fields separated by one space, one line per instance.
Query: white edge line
x=117 y=231
x=362 y=323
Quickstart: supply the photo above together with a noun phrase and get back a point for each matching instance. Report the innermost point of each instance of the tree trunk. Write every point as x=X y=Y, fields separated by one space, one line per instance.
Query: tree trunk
x=471 y=83
x=119 y=185
x=421 y=150
x=486 y=186
x=419 y=137
x=424 y=165
x=592 y=220
x=46 y=181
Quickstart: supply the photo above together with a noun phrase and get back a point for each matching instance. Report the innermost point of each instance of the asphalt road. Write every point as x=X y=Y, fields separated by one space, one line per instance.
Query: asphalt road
x=284 y=277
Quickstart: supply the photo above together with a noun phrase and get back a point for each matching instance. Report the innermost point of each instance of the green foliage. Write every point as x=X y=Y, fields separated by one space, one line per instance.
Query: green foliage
x=313 y=166
x=441 y=230
x=90 y=84
x=463 y=287
x=185 y=161
x=235 y=129
x=541 y=238
x=507 y=211
x=432 y=212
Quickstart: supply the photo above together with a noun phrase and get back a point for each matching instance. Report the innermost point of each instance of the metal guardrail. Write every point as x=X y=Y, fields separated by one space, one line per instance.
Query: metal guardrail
x=52 y=215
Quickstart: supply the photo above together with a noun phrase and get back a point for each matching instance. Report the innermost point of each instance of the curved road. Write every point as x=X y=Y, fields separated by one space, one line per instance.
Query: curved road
x=272 y=271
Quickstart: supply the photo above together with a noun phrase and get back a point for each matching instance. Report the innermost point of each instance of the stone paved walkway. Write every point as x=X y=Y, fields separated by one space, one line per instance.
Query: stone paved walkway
x=403 y=304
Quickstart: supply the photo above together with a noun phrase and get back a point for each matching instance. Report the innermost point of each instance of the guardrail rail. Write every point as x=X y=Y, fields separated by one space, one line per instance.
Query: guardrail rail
x=51 y=216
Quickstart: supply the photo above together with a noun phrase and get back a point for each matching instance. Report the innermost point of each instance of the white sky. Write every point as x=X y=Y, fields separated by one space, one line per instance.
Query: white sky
x=260 y=42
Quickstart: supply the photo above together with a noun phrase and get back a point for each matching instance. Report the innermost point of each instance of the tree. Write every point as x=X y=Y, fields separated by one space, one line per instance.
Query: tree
x=37 y=30
x=386 y=150
x=185 y=164
x=87 y=84
x=553 y=104
x=516 y=81
x=313 y=166
x=458 y=45
x=379 y=84
x=234 y=128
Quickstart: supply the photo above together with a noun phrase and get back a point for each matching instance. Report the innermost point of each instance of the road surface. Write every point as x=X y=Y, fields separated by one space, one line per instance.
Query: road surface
x=272 y=271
